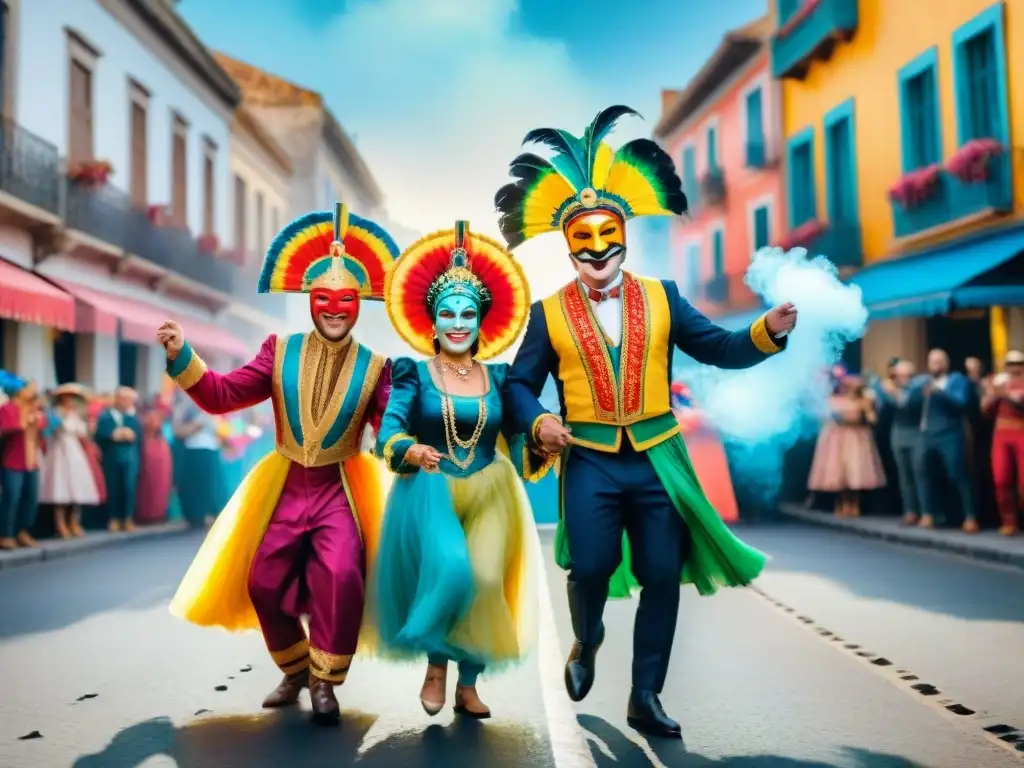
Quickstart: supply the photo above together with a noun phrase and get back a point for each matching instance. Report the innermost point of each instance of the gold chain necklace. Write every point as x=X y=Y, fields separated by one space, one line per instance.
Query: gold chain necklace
x=451 y=434
x=458 y=369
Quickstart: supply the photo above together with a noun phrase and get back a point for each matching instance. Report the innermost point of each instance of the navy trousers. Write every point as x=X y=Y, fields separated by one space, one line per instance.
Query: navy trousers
x=944 y=466
x=603 y=495
x=19 y=501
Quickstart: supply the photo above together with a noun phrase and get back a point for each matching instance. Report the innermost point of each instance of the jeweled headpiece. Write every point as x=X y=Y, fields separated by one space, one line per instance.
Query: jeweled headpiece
x=458 y=261
x=584 y=175
x=334 y=250
x=458 y=279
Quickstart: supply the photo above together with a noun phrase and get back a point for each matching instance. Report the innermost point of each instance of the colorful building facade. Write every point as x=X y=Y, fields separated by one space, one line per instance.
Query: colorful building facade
x=902 y=139
x=723 y=131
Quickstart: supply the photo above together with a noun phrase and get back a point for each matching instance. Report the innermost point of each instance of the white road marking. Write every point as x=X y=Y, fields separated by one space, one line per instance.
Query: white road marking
x=904 y=679
x=568 y=743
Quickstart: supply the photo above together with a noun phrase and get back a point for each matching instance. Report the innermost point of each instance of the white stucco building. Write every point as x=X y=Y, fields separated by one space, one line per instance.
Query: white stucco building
x=126 y=82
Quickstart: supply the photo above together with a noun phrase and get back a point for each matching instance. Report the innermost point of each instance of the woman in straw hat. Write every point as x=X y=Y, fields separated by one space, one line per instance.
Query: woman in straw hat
x=66 y=475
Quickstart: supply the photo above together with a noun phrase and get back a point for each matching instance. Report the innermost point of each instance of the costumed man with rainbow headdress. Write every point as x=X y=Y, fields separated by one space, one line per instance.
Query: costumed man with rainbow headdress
x=632 y=509
x=452 y=578
x=299 y=535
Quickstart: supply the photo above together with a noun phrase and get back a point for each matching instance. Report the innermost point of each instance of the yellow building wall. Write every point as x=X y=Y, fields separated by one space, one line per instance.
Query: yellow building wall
x=890 y=34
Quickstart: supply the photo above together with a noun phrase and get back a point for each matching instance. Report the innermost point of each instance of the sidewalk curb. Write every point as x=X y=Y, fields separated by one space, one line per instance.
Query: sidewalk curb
x=55 y=550
x=962 y=545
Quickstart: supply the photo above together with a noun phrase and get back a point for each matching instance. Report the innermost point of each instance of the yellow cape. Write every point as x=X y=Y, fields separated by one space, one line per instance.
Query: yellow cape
x=215 y=592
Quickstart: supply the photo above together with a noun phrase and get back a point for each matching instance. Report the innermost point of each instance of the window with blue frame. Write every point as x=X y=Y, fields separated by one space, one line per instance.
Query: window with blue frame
x=755 y=129
x=802 y=206
x=693 y=268
x=919 y=112
x=718 y=252
x=839 y=165
x=712 y=148
x=690 y=175
x=979 y=50
x=762 y=230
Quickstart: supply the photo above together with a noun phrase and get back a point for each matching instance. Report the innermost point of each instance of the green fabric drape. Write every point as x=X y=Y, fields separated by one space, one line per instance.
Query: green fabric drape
x=717 y=556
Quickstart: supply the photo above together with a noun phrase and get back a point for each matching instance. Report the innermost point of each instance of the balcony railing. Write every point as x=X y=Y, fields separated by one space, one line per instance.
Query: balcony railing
x=952 y=200
x=29 y=167
x=243 y=289
x=107 y=214
x=811 y=33
x=716 y=289
x=104 y=213
x=712 y=187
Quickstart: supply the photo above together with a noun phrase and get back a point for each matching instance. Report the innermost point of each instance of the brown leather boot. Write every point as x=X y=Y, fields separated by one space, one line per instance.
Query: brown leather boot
x=25 y=540
x=287 y=692
x=325 y=706
x=8 y=543
x=129 y=525
x=114 y=525
x=75 y=525
x=468 y=703
x=433 y=691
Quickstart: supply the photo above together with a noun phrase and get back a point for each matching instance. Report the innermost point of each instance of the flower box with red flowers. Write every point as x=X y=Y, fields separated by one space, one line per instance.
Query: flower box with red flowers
x=208 y=243
x=91 y=173
x=803 y=235
x=159 y=215
x=970 y=162
x=916 y=186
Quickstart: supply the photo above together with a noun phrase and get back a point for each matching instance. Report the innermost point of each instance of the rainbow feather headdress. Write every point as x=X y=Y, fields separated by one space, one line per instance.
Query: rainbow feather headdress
x=585 y=175
x=329 y=250
x=458 y=261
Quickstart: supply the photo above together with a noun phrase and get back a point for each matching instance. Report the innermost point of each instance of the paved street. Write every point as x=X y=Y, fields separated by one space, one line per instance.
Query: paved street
x=90 y=658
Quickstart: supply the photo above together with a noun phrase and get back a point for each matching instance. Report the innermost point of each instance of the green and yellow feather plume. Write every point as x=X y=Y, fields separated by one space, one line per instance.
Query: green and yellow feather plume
x=585 y=173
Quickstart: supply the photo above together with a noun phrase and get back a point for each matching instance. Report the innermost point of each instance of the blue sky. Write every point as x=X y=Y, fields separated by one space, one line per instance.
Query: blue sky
x=439 y=93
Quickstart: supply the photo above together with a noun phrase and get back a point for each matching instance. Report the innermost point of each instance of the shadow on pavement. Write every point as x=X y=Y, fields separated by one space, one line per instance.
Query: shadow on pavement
x=931 y=581
x=673 y=754
x=287 y=738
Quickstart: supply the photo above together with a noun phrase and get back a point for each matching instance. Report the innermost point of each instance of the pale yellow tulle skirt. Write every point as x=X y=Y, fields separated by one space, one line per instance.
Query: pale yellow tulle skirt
x=214 y=592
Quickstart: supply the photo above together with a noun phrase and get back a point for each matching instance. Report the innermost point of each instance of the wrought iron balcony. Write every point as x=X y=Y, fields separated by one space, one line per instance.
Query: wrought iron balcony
x=716 y=289
x=243 y=289
x=811 y=32
x=176 y=250
x=712 y=187
x=29 y=167
x=951 y=200
x=103 y=212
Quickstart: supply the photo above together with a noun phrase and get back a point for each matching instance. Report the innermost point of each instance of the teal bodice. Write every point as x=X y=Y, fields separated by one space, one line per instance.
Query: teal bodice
x=414 y=415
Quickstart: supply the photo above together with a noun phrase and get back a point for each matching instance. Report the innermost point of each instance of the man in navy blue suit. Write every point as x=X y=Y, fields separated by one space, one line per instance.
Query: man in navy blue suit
x=607 y=339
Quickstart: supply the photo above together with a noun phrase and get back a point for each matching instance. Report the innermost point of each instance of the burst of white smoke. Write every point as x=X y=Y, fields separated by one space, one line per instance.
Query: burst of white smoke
x=774 y=402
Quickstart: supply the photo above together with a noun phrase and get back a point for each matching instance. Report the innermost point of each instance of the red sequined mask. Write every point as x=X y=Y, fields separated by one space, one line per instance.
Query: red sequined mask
x=326 y=301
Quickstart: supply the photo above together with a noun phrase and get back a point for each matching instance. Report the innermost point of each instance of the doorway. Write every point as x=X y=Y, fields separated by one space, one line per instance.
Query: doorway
x=963 y=333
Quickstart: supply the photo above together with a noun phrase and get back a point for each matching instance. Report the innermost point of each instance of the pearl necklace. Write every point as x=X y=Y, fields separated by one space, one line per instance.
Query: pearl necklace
x=451 y=433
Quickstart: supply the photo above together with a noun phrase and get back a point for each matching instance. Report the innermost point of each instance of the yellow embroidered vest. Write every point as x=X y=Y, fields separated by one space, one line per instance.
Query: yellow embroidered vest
x=317 y=426
x=609 y=390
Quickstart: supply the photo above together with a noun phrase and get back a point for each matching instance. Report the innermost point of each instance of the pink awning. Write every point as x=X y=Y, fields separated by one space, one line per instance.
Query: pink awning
x=28 y=298
x=100 y=312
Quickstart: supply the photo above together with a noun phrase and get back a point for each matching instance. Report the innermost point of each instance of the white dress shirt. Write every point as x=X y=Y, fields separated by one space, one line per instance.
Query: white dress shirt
x=609 y=311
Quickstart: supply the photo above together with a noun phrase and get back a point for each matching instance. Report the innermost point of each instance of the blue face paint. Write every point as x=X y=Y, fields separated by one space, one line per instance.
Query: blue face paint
x=457 y=316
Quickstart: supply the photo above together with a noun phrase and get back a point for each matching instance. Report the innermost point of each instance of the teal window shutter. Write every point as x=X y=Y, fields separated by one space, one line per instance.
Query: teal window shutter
x=718 y=244
x=920 y=126
x=840 y=177
x=693 y=268
x=803 y=184
x=980 y=77
x=762 y=233
x=755 y=129
x=712 y=149
x=690 y=176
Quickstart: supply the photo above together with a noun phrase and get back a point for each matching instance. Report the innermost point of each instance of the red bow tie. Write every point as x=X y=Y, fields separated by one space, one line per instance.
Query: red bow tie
x=599 y=296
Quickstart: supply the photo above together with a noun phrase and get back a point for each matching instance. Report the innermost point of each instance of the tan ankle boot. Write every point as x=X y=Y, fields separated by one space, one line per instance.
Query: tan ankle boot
x=468 y=703
x=25 y=540
x=8 y=543
x=432 y=694
x=75 y=525
x=114 y=525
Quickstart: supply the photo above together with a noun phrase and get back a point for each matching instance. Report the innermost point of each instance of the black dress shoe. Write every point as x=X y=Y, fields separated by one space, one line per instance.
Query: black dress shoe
x=581 y=668
x=645 y=714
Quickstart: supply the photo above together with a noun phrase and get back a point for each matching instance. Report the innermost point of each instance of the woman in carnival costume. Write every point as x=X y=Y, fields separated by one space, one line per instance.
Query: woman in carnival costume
x=608 y=339
x=451 y=582
x=299 y=535
x=67 y=480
